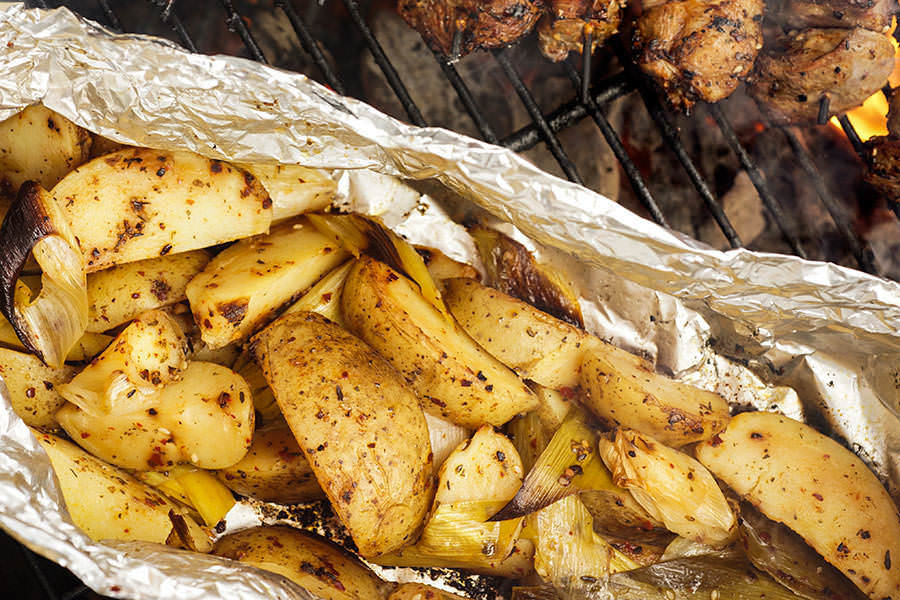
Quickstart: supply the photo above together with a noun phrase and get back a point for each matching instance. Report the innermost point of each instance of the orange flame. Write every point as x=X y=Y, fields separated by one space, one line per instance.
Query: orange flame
x=870 y=119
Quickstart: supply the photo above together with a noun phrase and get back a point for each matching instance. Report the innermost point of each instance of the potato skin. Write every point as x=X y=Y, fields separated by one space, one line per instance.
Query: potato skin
x=795 y=475
x=419 y=591
x=311 y=562
x=624 y=390
x=455 y=377
x=274 y=470
x=358 y=424
x=31 y=385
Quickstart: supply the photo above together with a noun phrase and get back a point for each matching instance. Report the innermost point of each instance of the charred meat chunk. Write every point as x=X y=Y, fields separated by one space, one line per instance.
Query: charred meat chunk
x=457 y=27
x=844 y=65
x=883 y=156
x=563 y=28
x=698 y=50
x=869 y=14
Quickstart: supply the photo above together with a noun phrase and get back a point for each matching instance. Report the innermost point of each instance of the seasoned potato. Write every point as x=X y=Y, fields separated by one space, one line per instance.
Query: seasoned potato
x=453 y=375
x=244 y=285
x=139 y=203
x=147 y=355
x=625 y=390
x=105 y=502
x=485 y=468
x=795 y=475
x=418 y=591
x=442 y=266
x=445 y=437
x=31 y=385
x=358 y=424
x=205 y=419
x=273 y=470
x=325 y=297
x=293 y=189
x=119 y=294
x=39 y=145
x=671 y=486
x=535 y=345
x=313 y=563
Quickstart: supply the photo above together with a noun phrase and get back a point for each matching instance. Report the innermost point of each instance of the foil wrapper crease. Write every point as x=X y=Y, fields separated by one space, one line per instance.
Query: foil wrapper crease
x=815 y=341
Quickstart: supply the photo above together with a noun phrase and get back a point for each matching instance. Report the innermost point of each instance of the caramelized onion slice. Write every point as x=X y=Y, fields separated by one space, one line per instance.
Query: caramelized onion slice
x=50 y=324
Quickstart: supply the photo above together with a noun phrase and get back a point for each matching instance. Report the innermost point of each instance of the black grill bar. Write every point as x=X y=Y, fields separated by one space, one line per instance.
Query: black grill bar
x=468 y=101
x=114 y=21
x=236 y=23
x=566 y=115
x=385 y=65
x=537 y=116
x=615 y=144
x=670 y=135
x=39 y=573
x=311 y=46
x=586 y=46
x=856 y=246
x=784 y=224
x=853 y=136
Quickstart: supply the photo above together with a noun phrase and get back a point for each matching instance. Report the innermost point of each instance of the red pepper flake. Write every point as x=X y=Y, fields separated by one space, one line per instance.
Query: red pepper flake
x=85 y=435
x=817 y=496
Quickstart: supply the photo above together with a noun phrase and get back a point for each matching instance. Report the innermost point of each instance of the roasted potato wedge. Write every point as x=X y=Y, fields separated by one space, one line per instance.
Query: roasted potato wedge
x=311 y=562
x=358 y=424
x=273 y=470
x=418 y=591
x=625 y=390
x=108 y=503
x=149 y=354
x=534 y=344
x=39 y=145
x=442 y=266
x=140 y=203
x=240 y=290
x=205 y=419
x=294 y=190
x=485 y=468
x=119 y=294
x=325 y=297
x=795 y=475
x=32 y=387
x=455 y=377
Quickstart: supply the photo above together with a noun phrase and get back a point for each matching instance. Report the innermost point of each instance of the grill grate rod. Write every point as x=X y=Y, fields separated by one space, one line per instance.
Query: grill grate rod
x=670 y=135
x=856 y=246
x=39 y=574
x=784 y=224
x=853 y=136
x=385 y=65
x=537 y=116
x=114 y=22
x=615 y=144
x=467 y=99
x=311 y=46
x=236 y=23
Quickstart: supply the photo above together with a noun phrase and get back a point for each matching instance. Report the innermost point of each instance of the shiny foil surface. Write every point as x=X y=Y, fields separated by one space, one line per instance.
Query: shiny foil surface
x=816 y=341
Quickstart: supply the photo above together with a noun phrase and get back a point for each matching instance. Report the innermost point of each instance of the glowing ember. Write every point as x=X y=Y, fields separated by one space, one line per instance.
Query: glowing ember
x=870 y=119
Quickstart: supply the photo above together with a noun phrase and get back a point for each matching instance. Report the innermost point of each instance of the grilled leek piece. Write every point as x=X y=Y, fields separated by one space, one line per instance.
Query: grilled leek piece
x=32 y=387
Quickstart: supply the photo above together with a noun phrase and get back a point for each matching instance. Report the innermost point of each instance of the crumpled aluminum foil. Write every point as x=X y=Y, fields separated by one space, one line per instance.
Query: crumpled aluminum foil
x=744 y=323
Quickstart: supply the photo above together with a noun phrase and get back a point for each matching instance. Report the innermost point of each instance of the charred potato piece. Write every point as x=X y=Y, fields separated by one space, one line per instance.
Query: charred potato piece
x=31 y=385
x=358 y=424
x=795 y=475
x=205 y=419
x=624 y=390
x=274 y=470
x=310 y=561
x=244 y=285
x=140 y=203
x=39 y=145
x=107 y=503
x=534 y=344
x=121 y=293
x=454 y=376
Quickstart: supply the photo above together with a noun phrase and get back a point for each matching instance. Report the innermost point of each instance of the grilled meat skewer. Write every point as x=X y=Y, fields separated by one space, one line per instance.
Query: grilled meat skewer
x=563 y=28
x=869 y=14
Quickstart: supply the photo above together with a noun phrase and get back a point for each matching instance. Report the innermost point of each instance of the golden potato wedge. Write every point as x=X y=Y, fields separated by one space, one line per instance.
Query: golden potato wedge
x=485 y=468
x=312 y=562
x=39 y=145
x=118 y=294
x=108 y=503
x=294 y=190
x=455 y=377
x=325 y=297
x=795 y=475
x=240 y=290
x=32 y=387
x=419 y=591
x=205 y=419
x=274 y=470
x=624 y=390
x=534 y=344
x=149 y=354
x=442 y=266
x=358 y=424
x=139 y=203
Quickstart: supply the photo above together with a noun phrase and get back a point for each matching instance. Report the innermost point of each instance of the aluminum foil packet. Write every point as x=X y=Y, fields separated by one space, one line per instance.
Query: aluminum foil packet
x=815 y=341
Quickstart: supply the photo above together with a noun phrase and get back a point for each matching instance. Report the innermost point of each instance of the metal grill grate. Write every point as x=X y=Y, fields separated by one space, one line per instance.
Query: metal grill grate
x=590 y=100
